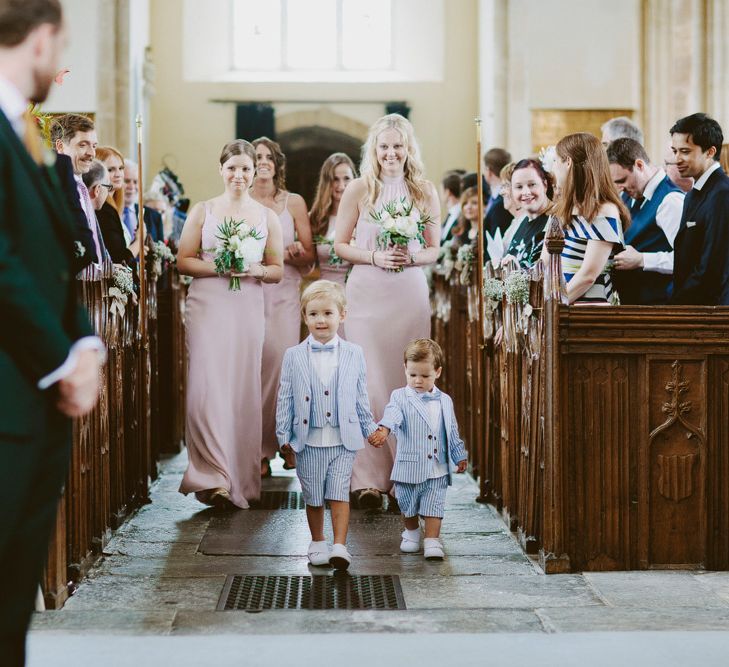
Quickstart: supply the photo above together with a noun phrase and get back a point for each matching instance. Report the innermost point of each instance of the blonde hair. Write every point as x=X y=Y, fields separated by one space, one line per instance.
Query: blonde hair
x=424 y=349
x=324 y=289
x=370 y=168
x=588 y=184
x=103 y=153
x=322 y=205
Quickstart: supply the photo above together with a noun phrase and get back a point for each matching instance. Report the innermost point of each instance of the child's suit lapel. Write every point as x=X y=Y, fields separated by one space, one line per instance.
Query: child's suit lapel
x=419 y=406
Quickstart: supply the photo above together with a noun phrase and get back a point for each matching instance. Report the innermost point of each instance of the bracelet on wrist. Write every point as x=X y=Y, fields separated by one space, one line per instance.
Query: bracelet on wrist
x=372 y=258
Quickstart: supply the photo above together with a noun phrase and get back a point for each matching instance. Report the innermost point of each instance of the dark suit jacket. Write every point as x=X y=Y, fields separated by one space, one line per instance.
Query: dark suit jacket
x=701 y=247
x=497 y=217
x=152 y=223
x=82 y=231
x=111 y=229
x=41 y=318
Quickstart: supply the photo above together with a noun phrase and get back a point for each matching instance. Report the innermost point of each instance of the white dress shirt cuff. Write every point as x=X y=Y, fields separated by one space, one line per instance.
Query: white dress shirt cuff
x=660 y=262
x=68 y=366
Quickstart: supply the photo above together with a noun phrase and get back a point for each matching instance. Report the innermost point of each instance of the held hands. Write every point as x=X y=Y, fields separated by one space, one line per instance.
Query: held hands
x=295 y=250
x=378 y=438
x=629 y=259
x=392 y=258
x=79 y=391
x=288 y=455
x=461 y=467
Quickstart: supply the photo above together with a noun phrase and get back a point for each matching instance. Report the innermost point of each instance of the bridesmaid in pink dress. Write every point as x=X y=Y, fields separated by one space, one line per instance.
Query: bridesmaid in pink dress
x=385 y=310
x=225 y=341
x=336 y=173
x=282 y=308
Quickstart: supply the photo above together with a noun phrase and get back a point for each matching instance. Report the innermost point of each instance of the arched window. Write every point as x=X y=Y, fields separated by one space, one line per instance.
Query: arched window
x=312 y=35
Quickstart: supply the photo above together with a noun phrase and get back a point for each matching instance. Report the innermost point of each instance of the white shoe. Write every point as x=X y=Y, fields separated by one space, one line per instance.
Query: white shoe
x=410 y=541
x=433 y=549
x=340 y=558
x=318 y=553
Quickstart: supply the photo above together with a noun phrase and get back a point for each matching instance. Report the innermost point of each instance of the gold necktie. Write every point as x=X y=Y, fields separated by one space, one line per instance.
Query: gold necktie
x=32 y=138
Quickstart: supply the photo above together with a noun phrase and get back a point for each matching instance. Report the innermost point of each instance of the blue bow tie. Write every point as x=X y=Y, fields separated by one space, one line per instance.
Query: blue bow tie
x=318 y=347
x=427 y=396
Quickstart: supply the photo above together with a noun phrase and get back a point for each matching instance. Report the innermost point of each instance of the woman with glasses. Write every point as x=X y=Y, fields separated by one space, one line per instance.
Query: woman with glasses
x=121 y=249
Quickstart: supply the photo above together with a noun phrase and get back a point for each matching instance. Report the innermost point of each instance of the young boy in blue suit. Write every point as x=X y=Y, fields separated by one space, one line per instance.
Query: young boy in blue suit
x=422 y=418
x=322 y=414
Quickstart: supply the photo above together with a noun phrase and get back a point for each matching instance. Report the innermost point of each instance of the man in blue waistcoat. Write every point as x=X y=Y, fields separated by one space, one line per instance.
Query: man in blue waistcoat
x=644 y=270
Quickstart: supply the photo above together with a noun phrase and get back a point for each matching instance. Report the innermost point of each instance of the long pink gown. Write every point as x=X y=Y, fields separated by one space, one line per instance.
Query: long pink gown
x=283 y=330
x=385 y=312
x=224 y=344
x=336 y=273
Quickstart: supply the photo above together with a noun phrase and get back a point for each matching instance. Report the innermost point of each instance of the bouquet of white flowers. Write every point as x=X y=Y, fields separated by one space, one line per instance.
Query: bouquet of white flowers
x=464 y=263
x=237 y=249
x=161 y=255
x=399 y=225
x=122 y=288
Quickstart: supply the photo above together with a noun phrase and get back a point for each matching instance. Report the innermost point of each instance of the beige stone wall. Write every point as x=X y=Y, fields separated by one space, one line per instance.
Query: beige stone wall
x=188 y=130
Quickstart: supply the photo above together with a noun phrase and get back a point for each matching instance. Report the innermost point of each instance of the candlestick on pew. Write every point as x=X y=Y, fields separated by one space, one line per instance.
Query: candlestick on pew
x=480 y=236
x=141 y=234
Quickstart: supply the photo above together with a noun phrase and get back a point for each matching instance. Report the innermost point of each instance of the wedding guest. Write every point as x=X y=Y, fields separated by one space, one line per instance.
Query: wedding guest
x=466 y=229
x=684 y=183
x=283 y=315
x=422 y=419
x=701 y=247
x=336 y=173
x=510 y=204
x=592 y=216
x=224 y=332
x=49 y=358
x=450 y=194
x=618 y=127
x=74 y=135
x=130 y=214
x=532 y=187
x=497 y=217
x=387 y=291
x=121 y=241
x=322 y=416
x=643 y=271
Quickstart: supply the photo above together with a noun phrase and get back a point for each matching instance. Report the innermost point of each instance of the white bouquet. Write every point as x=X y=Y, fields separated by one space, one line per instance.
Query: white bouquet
x=122 y=288
x=161 y=255
x=399 y=225
x=237 y=249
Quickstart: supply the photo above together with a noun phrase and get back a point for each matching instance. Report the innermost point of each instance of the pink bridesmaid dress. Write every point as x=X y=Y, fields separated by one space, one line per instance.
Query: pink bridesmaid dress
x=336 y=273
x=386 y=310
x=225 y=343
x=283 y=330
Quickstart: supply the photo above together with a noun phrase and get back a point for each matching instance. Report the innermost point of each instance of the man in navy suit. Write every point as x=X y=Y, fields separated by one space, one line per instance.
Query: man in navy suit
x=701 y=249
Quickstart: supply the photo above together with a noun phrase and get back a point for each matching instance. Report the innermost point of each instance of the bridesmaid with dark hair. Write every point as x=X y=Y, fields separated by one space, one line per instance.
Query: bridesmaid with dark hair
x=225 y=340
x=282 y=309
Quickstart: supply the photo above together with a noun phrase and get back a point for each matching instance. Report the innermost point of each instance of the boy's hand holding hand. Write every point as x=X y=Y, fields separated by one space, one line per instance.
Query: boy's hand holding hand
x=289 y=456
x=377 y=439
x=462 y=465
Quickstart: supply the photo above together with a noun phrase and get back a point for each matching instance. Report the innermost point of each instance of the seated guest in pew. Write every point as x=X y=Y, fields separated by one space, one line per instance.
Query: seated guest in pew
x=618 y=128
x=466 y=229
x=701 y=250
x=510 y=204
x=450 y=194
x=592 y=216
x=532 y=187
x=497 y=217
x=643 y=271
x=130 y=214
x=422 y=418
x=322 y=417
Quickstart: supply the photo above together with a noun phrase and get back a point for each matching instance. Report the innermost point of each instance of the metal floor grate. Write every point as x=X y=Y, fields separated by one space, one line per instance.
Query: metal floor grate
x=280 y=500
x=339 y=591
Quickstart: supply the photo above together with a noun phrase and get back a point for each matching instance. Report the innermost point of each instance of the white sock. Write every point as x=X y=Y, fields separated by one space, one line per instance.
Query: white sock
x=319 y=545
x=413 y=535
x=432 y=542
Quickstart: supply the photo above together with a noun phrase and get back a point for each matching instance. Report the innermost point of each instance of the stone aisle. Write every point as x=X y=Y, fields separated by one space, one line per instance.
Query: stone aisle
x=153 y=597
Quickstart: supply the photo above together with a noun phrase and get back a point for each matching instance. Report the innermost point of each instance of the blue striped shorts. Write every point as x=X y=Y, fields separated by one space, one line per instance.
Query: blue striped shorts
x=424 y=499
x=325 y=473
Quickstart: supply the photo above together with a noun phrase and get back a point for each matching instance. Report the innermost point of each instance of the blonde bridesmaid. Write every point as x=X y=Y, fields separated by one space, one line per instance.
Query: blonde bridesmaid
x=385 y=309
x=225 y=340
x=281 y=301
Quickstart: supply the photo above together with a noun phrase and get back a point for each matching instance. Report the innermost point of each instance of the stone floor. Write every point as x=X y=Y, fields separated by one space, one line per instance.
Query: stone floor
x=153 y=597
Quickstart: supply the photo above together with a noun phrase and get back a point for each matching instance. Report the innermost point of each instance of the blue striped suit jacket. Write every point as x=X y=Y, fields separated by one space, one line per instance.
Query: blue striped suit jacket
x=293 y=409
x=406 y=415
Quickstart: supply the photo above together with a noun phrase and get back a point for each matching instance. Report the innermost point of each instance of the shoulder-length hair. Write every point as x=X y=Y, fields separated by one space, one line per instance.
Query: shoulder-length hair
x=371 y=170
x=279 y=162
x=116 y=199
x=322 y=205
x=588 y=184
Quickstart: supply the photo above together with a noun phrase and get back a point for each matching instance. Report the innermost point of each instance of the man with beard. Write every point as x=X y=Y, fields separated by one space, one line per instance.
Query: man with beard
x=49 y=358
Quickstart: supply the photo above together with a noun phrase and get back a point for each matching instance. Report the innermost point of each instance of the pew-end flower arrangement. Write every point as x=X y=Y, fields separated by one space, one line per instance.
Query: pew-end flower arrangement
x=464 y=263
x=238 y=247
x=493 y=291
x=399 y=224
x=161 y=256
x=122 y=288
